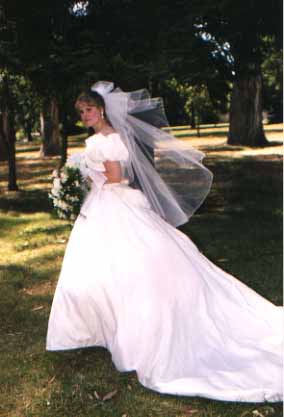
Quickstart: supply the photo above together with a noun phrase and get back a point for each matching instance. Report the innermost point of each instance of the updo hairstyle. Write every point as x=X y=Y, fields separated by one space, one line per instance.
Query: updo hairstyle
x=92 y=98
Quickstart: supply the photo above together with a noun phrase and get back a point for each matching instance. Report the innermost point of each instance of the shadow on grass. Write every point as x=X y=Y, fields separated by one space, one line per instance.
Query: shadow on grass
x=207 y=126
x=274 y=130
x=34 y=172
x=202 y=134
x=36 y=148
x=25 y=276
x=7 y=223
x=30 y=148
x=40 y=181
x=15 y=302
x=77 y=143
x=220 y=148
x=47 y=230
x=26 y=201
x=216 y=149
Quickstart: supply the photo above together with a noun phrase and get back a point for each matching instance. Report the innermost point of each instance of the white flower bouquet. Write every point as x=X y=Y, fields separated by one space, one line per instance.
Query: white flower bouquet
x=70 y=187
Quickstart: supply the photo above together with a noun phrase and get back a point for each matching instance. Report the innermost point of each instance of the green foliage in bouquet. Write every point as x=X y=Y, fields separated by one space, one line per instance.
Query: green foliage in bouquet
x=68 y=192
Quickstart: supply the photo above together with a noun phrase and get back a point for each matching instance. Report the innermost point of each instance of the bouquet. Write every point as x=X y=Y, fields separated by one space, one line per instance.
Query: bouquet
x=70 y=188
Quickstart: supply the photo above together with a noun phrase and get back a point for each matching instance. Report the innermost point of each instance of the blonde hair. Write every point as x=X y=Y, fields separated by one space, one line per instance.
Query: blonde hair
x=92 y=98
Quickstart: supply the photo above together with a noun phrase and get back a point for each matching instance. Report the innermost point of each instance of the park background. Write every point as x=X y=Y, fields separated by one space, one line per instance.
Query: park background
x=218 y=66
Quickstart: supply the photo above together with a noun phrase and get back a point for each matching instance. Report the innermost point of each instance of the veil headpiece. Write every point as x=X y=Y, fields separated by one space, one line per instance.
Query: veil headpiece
x=169 y=172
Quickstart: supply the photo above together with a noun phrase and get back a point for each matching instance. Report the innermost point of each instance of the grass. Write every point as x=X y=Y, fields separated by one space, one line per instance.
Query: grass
x=238 y=227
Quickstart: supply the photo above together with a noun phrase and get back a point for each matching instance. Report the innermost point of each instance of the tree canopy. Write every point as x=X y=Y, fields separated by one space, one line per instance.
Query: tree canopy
x=209 y=48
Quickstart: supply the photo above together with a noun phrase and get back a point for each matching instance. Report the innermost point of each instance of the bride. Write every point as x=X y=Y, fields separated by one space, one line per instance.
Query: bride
x=134 y=284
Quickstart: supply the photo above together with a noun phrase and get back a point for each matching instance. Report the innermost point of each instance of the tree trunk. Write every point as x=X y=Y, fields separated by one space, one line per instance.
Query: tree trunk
x=50 y=129
x=246 y=112
x=7 y=131
x=3 y=147
x=192 y=121
x=28 y=130
x=198 y=129
x=9 y=134
x=41 y=123
x=64 y=140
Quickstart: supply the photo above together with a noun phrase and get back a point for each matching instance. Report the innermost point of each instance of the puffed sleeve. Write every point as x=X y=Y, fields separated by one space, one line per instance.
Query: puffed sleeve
x=110 y=148
x=99 y=149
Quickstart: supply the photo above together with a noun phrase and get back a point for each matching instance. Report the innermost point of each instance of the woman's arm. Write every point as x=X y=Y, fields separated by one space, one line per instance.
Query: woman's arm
x=113 y=171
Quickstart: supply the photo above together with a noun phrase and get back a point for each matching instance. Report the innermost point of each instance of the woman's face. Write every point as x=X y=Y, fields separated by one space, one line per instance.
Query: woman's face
x=90 y=115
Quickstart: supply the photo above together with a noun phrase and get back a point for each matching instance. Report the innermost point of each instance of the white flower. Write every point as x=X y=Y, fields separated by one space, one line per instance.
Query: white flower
x=56 y=184
x=64 y=177
x=56 y=189
x=61 y=215
x=62 y=205
x=74 y=160
x=66 y=200
x=78 y=160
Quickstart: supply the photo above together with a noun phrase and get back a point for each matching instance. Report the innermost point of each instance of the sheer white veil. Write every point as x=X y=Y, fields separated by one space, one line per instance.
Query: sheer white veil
x=169 y=172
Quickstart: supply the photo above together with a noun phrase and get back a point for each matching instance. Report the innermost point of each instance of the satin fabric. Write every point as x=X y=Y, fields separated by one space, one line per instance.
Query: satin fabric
x=134 y=284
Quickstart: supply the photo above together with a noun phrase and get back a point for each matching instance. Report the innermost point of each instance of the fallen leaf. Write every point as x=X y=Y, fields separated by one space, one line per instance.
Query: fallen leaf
x=246 y=414
x=27 y=404
x=110 y=395
x=256 y=413
x=190 y=411
x=37 y=308
x=27 y=291
x=52 y=379
x=97 y=395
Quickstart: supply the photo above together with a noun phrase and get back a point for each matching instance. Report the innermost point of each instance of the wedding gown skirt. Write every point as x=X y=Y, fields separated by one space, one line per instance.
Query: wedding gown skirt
x=139 y=287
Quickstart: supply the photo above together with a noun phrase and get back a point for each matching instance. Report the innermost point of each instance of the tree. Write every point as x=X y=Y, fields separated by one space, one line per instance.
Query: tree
x=240 y=27
x=27 y=104
x=9 y=61
x=272 y=71
x=50 y=64
x=7 y=127
x=3 y=148
x=195 y=103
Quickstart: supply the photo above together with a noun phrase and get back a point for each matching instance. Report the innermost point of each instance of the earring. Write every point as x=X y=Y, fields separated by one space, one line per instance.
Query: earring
x=102 y=114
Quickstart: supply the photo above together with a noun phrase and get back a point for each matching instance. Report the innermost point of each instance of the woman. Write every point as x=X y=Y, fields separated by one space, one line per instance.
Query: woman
x=133 y=283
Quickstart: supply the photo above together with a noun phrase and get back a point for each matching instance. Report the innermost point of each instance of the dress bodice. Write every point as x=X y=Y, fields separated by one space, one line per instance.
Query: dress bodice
x=101 y=148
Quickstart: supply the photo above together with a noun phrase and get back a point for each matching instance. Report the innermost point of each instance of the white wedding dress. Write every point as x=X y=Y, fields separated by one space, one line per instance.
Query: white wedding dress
x=134 y=284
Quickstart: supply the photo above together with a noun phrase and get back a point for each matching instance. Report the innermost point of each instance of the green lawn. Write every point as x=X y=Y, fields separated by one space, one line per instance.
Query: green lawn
x=239 y=227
